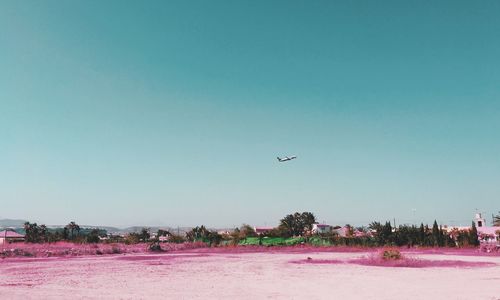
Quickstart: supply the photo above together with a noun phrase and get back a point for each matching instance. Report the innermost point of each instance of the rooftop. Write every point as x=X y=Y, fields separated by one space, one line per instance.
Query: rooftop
x=10 y=234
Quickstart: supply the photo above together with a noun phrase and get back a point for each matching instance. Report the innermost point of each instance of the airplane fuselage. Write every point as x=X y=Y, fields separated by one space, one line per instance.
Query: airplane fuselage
x=286 y=158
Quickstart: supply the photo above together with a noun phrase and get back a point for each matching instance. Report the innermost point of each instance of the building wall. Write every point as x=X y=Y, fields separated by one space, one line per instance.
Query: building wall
x=321 y=229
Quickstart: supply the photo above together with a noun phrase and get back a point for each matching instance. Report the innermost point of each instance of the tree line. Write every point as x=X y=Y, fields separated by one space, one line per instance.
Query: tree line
x=411 y=235
x=35 y=233
x=375 y=235
x=290 y=226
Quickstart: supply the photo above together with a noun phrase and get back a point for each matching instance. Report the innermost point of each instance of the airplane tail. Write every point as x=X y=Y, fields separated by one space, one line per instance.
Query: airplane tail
x=279 y=159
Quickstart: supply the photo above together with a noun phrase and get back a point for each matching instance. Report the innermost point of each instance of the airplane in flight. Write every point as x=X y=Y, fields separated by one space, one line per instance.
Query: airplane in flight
x=286 y=158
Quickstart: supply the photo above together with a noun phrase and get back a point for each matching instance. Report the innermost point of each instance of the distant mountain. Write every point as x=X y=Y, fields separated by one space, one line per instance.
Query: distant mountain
x=19 y=224
x=12 y=223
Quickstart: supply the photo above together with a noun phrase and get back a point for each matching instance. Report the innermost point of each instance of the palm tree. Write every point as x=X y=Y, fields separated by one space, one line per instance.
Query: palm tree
x=32 y=232
x=72 y=226
x=43 y=232
x=198 y=233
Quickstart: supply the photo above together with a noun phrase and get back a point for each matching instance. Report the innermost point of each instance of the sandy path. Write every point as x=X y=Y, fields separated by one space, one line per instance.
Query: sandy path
x=193 y=275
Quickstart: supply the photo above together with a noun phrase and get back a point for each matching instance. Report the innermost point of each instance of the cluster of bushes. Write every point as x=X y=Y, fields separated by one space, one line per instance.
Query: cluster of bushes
x=411 y=235
x=376 y=235
x=35 y=233
x=15 y=253
x=391 y=254
x=201 y=233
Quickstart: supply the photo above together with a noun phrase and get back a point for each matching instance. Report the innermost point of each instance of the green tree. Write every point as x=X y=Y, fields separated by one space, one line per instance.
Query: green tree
x=387 y=233
x=382 y=233
x=289 y=224
x=428 y=236
x=214 y=238
x=307 y=220
x=235 y=236
x=132 y=238
x=246 y=231
x=72 y=227
x=435 y=234
x=93 y=236
x=441 y=237
x=421 y=235
x=406 y=235
x=65 y=233
x=198 y=233
x=43 y=232
x=280 y=231
x=473 y=238
x=376 y=228
x=178 y=239
x=144 y=235
x=298 y=223
x=32 y=231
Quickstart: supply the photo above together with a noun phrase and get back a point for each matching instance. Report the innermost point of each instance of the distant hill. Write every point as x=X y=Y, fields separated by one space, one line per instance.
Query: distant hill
x=12 y=223
x=19 y=224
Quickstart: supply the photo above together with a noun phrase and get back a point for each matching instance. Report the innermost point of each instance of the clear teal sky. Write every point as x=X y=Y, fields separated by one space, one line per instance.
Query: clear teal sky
x=173 y=113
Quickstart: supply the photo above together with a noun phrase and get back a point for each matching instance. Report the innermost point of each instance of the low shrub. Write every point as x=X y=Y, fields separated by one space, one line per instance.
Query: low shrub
x=155 y=247
x=391 y=254
x=28 y=254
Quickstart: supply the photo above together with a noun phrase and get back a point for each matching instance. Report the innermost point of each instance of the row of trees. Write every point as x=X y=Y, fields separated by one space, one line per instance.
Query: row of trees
x=201 y=233
x=377 y=234
x=292 y=225
x=411 y=235
x=296 y=224
x=35 y=233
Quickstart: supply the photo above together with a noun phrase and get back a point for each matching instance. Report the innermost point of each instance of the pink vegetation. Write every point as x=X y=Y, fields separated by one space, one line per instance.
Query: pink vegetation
x=376 y=259
x=66 y=249
x=408 y=262
x=245 y=273
x=317 y=261
x=158 y=257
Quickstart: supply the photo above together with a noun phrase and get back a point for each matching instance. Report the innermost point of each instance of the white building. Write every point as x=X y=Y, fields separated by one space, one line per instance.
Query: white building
x=488 y=234
x=321 y=228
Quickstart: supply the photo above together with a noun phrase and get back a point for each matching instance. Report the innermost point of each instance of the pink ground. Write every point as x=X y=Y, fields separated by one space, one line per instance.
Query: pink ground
x=249 y=273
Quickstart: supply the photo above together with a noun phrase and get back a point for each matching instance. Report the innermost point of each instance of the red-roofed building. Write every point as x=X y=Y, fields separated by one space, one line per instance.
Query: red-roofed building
x=261 y=230
x=7 y=236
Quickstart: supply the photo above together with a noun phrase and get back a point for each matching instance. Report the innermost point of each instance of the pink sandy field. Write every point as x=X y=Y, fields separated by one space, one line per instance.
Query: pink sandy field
x=254 y=273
